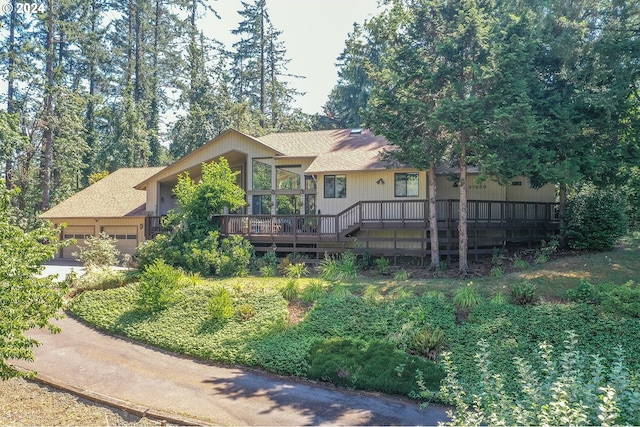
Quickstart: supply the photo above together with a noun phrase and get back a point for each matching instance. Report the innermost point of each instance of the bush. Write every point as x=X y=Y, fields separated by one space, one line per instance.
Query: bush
x=371 y=365
x=296 y=271
x=595 y=219
x=208 y=256
x=569 y=389
x=98 y=251
x=621 y=300
x=313 y=292
x=523 y=293
x=158 y=286
x=467 y=297
x=104 y=277
x=220 y=306
x=339 y=268
x=290 y=290
x=383 y=265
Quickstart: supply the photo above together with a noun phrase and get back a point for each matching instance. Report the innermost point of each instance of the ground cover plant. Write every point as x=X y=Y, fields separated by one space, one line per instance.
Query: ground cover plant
x=387 y=335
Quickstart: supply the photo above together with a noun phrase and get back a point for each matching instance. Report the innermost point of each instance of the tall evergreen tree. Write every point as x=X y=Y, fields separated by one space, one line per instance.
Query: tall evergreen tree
x=259 y=67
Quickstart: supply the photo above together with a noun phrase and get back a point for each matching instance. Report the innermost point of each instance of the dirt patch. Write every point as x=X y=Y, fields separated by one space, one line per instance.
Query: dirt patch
x=26 y=403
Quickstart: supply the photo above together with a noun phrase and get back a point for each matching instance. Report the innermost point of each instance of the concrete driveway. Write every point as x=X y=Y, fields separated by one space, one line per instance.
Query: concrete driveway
x=62 y=267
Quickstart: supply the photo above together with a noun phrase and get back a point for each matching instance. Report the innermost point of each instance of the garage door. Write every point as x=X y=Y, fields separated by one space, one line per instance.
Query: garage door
x=78 y=233
x=127 y=237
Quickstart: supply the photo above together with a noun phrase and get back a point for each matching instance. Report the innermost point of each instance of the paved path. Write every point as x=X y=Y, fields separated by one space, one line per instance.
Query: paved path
x=97 y=364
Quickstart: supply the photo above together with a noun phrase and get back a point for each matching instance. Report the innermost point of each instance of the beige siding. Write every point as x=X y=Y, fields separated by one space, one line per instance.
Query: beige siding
x=364 y=186
x=227 y=143
x=486 y=190
x=524 y=193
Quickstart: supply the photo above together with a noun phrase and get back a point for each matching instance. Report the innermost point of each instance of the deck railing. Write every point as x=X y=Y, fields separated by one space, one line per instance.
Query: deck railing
x=381 y=214
x=392 y=214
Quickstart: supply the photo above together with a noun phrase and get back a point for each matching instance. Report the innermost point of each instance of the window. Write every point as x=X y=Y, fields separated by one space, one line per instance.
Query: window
x=288 y=204
x=309 y=182
x=407 y=184
x=288 y=177
x=335 y=186
x=261 y=205
x=261 y=175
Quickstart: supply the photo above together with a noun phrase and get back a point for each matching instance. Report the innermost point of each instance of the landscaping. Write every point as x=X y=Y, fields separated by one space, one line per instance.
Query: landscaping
x=378 y=333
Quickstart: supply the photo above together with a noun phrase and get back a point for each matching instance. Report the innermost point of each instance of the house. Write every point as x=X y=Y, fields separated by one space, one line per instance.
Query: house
x=111 y=205
x=327 y=191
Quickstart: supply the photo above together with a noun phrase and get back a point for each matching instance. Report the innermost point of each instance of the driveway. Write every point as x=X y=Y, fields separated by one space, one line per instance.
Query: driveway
x=149 y=381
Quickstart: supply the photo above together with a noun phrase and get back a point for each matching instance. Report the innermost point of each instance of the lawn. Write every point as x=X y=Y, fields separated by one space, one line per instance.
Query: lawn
x=377 y=333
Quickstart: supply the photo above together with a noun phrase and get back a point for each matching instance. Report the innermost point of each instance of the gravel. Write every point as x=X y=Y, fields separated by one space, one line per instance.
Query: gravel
x=26 y=403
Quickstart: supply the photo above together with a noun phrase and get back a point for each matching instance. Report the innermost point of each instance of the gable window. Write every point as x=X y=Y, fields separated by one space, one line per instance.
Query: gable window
x=261 y=175
x=288 y=177
x=335 y=186
x=406 y=184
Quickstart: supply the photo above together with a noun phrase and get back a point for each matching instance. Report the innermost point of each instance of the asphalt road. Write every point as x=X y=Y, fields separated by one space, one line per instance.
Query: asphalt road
x=103 y=365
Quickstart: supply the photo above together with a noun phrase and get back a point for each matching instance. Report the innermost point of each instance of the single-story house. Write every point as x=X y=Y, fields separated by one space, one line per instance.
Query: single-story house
x=306 y=191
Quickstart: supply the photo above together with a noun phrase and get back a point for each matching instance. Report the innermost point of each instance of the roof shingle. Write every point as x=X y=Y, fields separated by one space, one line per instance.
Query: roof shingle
x=111 y=197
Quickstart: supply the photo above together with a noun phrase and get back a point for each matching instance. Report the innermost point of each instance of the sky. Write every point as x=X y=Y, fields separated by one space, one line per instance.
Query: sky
x=314 y=34
x=313 y=31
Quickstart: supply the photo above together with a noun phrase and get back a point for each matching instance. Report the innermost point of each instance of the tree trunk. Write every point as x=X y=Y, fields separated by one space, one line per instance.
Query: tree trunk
x=433 y=220
x=462 y=215
x=48 y=107
x=562 y=211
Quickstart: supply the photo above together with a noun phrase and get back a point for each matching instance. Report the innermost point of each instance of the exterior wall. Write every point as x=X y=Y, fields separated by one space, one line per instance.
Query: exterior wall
x=229 y=142
x=95 y=226
x=363 y=186
x=524 y=192
x=487 y=190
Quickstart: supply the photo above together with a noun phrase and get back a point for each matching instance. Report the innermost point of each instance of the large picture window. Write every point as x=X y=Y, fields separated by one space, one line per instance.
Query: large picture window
x=261 y=205
x=407 y=184
x=261 y=175
x=335 y=186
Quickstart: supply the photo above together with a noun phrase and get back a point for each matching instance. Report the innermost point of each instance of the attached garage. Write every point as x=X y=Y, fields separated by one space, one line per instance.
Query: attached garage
x=77 y=233
x=112 y=205
x=126 y=236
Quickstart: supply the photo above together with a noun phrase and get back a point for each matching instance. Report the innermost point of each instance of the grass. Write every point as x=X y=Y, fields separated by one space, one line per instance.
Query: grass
x=337 y=332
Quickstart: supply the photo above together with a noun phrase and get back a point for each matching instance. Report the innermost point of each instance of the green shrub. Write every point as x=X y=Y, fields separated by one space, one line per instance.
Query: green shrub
x=296 y=271
x=595 y=219
x=467 y=297
x=98 y=251
x=313 y=292
x=290 y=290
x=523 y=293
x=383 y=265
x=401 y=275
x=104 y=277
x=569 y=389
x=497 y=272
x=158 y=287
x=427 y=342
x=621 y=300
x=268 y=270
x=341 y=292
x=520 y=264
x=235 y=256
x=373 y=365
x=339 y=268
x=220 y=305
x=585 y=293
x=498 y=298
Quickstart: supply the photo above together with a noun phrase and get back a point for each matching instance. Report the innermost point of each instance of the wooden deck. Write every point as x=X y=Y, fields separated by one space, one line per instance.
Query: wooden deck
x=393 y=228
